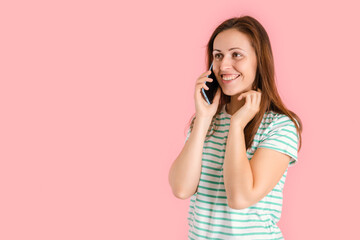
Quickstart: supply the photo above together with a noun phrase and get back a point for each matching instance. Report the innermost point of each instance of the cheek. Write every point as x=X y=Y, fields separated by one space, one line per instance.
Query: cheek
x=248 y=70
x=242 y=67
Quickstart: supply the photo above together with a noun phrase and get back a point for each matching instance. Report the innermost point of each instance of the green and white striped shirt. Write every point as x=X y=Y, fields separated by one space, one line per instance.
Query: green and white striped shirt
x=209 y=215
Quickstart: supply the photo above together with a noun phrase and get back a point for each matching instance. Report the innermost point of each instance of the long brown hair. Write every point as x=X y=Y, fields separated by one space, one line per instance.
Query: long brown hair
x=264 y=79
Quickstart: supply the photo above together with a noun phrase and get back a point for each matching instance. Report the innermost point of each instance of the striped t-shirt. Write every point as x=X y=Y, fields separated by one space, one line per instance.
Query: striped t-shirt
x=209 y=215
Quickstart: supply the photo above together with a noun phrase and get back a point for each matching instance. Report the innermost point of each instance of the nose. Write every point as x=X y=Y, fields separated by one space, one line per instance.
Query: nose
x=226 y=63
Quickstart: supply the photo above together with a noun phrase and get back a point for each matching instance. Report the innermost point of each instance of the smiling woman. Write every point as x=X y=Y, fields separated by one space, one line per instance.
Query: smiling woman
x=236 y=67
x=238 y=149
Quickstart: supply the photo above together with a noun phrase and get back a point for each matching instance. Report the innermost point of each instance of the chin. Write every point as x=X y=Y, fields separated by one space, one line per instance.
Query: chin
x=232 y=92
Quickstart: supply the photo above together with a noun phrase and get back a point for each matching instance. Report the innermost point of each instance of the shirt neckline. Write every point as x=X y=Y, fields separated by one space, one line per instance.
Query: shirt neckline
x=225 y=112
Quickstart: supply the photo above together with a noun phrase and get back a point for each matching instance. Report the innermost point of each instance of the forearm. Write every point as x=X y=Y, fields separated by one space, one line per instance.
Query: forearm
x=185 y=171
x=238 y=177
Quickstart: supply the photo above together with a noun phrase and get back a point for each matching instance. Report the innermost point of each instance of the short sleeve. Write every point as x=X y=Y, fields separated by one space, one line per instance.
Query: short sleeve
x=282 y=136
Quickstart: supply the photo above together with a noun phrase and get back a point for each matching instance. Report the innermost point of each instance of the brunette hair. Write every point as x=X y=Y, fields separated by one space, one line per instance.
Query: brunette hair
x=264 y=79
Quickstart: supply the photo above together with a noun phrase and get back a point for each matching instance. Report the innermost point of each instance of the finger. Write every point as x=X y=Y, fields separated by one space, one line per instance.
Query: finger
x=206 y=73
x=205 y=79
x=200 y=84
x=243 y=95
x=252 y=98
x=248 y=99
x=202 y=79
x=199 y=88
x=203 y=85
x=255 y=97
x=259 y=99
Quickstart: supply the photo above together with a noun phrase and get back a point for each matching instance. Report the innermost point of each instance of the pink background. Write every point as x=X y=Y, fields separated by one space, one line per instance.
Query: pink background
x=95 y=97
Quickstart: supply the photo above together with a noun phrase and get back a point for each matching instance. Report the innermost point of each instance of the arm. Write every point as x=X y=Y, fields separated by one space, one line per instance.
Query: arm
x=184 y=174
x=247 y=182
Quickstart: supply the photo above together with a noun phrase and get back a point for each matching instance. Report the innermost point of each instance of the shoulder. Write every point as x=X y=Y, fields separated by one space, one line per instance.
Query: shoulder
x=278 y=118
x=279 y=122
x=281 y=135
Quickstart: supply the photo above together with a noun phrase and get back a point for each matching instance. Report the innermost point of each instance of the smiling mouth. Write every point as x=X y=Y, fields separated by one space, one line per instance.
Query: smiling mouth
x=230 y=78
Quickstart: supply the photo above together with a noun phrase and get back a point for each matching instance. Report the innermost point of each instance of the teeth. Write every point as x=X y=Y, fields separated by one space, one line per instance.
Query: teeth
x=231 y=77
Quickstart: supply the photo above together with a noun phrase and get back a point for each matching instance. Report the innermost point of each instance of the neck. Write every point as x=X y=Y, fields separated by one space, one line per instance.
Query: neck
x=234 y=105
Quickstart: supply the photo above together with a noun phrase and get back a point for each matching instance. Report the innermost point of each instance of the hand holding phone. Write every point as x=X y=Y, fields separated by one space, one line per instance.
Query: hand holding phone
x=213 y=86
x=207 y=101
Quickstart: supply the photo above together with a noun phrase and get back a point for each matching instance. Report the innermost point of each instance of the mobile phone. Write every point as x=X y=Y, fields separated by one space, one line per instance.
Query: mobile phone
x=213 y=86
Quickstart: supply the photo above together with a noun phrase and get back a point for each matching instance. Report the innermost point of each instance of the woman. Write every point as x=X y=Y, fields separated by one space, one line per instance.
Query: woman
x=238 y=149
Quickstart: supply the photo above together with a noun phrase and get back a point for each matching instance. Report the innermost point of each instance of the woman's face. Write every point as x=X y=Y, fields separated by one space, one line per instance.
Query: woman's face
x=234 y=57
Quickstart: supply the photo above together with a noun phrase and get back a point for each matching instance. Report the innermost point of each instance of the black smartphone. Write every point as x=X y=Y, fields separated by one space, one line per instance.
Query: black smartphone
x=213 y=86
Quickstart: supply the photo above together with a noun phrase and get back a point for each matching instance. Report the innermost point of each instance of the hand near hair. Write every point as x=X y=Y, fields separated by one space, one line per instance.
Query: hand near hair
x=248 y=111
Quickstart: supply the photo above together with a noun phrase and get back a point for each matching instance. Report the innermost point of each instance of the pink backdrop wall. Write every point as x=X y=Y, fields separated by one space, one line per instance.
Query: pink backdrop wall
x=95 y=97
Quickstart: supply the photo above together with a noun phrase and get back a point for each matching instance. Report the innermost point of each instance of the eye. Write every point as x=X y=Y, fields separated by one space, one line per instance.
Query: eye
x=216 y=55
x=240 y=55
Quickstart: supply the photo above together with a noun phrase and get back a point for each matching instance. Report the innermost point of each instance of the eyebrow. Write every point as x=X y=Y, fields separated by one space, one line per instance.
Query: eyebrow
x=229 y=49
